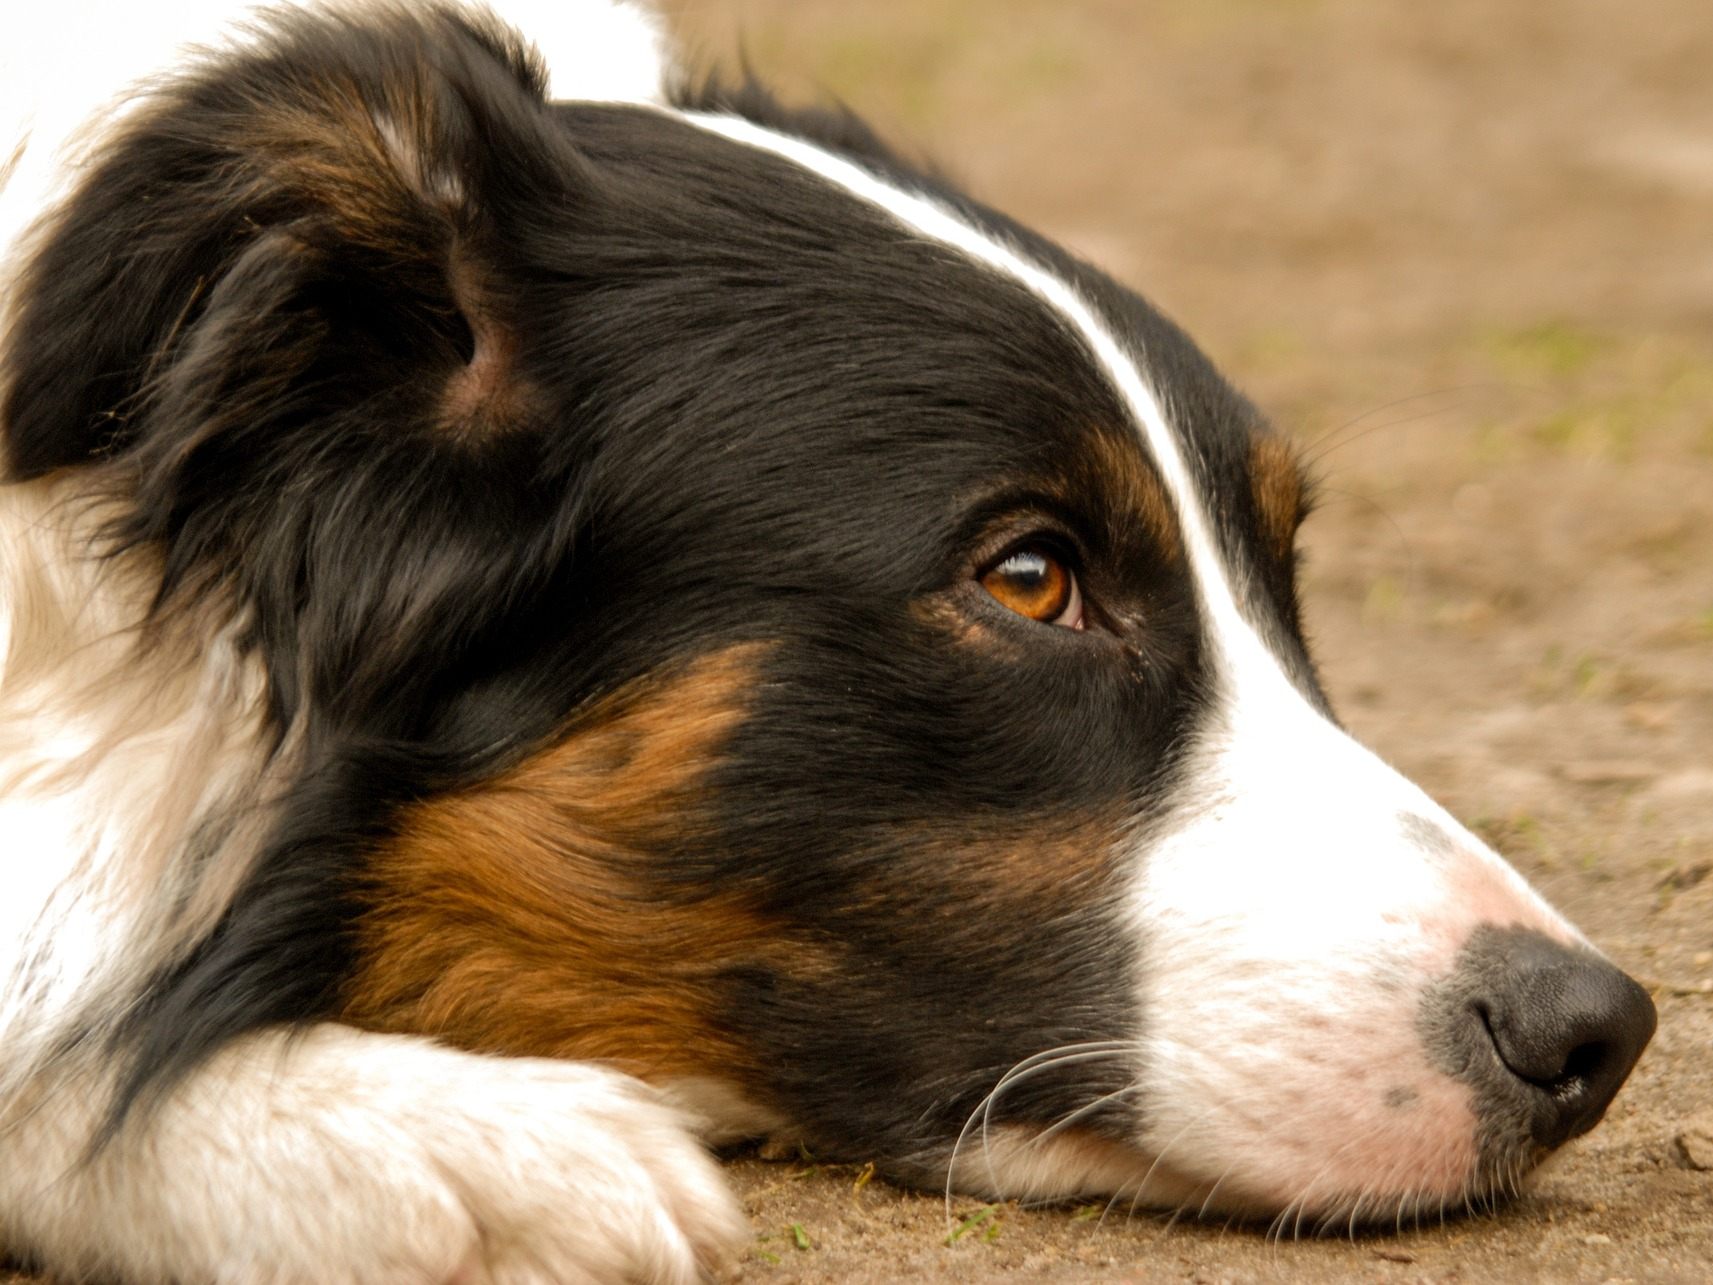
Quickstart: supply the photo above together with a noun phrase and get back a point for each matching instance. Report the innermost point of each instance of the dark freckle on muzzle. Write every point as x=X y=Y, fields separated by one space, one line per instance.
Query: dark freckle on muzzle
x=1545 y=1034
x=1427 y=835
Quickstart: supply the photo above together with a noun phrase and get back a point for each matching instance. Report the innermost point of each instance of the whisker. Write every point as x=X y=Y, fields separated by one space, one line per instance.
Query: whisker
x=1413 y=560
x=1084 y=1111
x=1116 y=1197
x=1014 y=1077
x=1337 y=438
x=1065 y=1054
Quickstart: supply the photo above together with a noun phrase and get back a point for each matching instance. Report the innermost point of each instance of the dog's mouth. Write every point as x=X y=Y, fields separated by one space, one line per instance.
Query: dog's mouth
x=1047 y=1167
x=1340 y=1139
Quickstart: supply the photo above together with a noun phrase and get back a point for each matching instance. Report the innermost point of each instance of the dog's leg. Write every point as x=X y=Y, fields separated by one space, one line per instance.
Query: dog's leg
x=334 y=1155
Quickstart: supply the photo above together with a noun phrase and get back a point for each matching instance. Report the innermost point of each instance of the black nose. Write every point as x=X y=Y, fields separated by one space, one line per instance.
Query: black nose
x=1570 y=1026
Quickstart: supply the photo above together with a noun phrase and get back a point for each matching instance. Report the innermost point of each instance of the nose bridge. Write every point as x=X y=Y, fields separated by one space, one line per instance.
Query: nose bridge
x=1283 y=781
x=1342 y=826
x=1276 y=741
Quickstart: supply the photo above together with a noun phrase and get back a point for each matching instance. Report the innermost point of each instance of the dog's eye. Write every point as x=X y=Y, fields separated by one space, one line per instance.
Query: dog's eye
x=1034 y=583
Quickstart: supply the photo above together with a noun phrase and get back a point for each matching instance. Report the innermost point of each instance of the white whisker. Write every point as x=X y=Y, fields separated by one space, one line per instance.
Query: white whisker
x=1064 y=1055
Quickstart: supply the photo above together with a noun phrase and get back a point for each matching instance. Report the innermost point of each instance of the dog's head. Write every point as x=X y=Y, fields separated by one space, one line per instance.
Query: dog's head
x=737 y=608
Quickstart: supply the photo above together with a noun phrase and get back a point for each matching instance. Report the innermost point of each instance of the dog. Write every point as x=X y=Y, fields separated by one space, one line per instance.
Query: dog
x=553 y=613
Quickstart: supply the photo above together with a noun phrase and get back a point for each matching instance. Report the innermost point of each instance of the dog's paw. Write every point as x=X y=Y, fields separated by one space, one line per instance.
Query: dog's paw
x=338 y=1157
x=573 y=1173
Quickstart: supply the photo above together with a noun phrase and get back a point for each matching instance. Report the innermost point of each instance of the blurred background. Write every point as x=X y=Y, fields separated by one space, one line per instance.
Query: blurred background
x=1462 y=251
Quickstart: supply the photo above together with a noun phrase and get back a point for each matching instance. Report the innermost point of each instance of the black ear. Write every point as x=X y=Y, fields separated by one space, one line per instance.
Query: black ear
x=272 y=319
x=352 y=175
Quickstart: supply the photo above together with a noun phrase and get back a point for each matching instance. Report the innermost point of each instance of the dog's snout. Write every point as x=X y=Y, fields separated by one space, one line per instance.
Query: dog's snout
x=1567 y=1024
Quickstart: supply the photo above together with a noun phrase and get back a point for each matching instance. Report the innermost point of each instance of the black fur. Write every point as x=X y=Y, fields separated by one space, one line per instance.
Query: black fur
x=737 y=404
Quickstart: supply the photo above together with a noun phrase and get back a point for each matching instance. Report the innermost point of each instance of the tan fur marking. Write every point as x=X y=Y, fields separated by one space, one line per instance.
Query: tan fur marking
x=1125 y=473
x=482 y=396
x=361 y=161
x=1050 y=868
x=11 y=163
x=514 y=918
x=1276 y=482
x=487 y=395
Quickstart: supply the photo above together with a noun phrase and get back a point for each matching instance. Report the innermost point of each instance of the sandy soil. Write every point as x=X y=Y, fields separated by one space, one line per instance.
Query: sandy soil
x=1463 y=251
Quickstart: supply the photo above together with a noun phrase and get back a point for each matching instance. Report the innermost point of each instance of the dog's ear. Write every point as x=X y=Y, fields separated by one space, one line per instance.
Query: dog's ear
x=330 y=200
x=274 y=318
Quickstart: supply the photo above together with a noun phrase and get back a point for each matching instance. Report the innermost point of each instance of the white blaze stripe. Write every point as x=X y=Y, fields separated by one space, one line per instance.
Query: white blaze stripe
x=926 y=216
x=1265 y=726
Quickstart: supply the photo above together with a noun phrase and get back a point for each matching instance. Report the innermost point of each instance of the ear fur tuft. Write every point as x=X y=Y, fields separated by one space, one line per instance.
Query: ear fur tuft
x=383 y=157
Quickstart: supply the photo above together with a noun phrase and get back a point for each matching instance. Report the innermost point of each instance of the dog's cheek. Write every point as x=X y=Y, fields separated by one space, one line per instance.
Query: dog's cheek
x=947 y=963
x=524 y=916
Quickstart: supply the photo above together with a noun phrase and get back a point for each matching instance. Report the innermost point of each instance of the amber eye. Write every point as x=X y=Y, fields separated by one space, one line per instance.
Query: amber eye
x=1034 y=583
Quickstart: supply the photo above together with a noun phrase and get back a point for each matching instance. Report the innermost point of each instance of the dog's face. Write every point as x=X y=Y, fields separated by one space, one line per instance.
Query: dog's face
x=747 y=613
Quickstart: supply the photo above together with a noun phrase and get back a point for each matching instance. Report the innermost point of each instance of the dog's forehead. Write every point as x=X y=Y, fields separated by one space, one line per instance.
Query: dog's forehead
x=912 y=339
x=959 y=313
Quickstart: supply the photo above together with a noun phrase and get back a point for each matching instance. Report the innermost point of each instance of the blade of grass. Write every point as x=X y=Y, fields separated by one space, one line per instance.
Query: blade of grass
x=980 y=1218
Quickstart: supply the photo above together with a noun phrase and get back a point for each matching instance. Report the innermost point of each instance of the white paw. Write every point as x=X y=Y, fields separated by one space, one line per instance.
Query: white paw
x=573 y=1173
x=336 y=1157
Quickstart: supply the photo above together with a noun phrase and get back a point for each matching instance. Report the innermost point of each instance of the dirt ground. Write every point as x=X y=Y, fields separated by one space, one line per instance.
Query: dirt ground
x=1464 y=252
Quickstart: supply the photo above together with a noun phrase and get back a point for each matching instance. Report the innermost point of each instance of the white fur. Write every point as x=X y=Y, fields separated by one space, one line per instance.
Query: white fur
x=135 y=787
x=336 y=1157
x=1290 y=921
x=1015 y=1162
x=108 y=764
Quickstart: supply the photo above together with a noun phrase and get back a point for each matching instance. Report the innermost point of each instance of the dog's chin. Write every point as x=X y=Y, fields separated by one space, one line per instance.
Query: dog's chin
x=1044 y=1166
x=1268 y=1178
x=1032 y=1164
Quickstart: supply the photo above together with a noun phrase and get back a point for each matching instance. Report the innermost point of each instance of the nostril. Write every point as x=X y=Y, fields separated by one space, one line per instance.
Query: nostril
x=1569 y=1025
x=1537 y=1061
x=1585 y=1061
